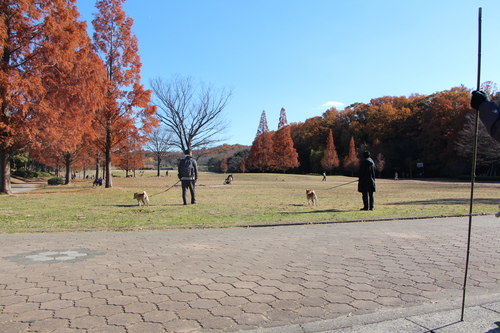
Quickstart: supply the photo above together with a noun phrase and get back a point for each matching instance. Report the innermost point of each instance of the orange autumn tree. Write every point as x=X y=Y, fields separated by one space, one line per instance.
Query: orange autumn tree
x=131 y=157
x=75 y=95
x=330 y=160
x=262 y=153
x=351 y=161
x=256 y=160
x=441 y=121
x=285 y=155
x=243 y=166
x=127 y=101
x=223 y=164
x=38 y=41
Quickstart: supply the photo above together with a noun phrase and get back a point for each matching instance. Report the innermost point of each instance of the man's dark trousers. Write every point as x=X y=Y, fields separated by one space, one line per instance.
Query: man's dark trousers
x=368 y=200
x=188 y=184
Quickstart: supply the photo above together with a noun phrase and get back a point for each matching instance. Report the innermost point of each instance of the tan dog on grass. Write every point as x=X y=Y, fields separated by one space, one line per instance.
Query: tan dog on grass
x=142 y=198
x=311 y=197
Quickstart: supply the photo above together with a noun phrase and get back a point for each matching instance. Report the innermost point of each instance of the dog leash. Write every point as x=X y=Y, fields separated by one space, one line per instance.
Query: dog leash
x=166 y=189
x=342 y=184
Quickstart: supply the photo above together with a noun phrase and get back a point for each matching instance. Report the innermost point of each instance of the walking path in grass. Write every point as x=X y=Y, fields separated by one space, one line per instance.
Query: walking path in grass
x=24 y=187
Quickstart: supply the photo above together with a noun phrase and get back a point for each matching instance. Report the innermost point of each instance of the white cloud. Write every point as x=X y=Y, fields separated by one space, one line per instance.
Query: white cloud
x=337 y=105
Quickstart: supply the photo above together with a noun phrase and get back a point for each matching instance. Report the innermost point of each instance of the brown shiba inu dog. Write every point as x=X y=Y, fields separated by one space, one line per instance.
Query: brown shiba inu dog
x=311 y=198
x=142 y=198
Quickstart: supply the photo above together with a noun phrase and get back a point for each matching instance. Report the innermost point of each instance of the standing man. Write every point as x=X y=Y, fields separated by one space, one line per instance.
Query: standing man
x=188 y=174
x=366 y=182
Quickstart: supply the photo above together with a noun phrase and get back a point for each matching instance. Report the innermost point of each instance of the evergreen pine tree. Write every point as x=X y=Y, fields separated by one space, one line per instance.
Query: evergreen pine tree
x=263 y=128
x=282 y=122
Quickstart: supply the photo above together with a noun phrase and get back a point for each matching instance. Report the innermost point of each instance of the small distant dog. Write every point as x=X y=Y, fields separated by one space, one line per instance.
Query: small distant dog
x=311 y=197
x=142 y=198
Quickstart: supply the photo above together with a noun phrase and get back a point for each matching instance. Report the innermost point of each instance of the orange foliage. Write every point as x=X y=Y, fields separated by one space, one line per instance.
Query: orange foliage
x=285 y=155
x=351 y=161
x=262 y=153
x=330 y=160
x=126 y=99
x=223 y=164
x=42 y=45
x=243 y=167
x=131 y=158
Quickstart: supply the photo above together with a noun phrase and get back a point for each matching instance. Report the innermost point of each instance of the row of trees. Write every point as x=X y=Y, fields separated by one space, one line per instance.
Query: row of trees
x=67 y=98
x=273 y=151
x=401 y=132
x=64 y=95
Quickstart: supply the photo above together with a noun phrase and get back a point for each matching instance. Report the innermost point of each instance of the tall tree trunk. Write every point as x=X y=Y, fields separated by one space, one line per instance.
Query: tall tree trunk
x=159 y=161
x=108 y=176
x=5 y=172
x=97 y=166
x=67 y=162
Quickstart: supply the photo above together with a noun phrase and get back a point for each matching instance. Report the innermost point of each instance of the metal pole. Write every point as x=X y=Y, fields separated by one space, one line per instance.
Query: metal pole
x=474 y=160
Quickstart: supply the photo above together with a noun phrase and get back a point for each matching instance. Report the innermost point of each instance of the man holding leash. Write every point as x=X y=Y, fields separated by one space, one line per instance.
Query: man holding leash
x=188 y=174
x=366 y=182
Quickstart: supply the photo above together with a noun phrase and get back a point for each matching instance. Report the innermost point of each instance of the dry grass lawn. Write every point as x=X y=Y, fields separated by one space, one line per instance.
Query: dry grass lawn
x=252 y=199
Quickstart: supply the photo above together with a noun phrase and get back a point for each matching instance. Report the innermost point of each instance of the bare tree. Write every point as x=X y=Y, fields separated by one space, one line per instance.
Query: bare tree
x=193 y=112
x=159 y=144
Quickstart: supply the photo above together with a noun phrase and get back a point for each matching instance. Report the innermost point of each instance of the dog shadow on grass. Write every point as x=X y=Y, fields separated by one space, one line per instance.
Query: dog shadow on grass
x=313 y=211
x=146 y=207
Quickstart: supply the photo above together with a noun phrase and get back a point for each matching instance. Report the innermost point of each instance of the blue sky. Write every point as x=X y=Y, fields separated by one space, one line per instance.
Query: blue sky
x=307 y=55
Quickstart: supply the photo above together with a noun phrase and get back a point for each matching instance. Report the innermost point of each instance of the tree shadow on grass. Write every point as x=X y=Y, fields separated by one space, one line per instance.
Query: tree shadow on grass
x=455 y=201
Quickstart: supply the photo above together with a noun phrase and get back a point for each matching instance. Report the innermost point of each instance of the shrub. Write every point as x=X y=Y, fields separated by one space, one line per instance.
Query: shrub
x=56 y=181
x=25 y=173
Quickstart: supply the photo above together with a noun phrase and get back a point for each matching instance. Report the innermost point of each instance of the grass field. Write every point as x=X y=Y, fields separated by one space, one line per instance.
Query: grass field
x=252 y=199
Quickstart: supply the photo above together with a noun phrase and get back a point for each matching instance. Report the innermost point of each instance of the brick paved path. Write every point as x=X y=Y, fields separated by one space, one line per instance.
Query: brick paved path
x=228 y=280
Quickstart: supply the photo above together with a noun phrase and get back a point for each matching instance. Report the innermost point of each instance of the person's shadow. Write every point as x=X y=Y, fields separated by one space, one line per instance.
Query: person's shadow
x=495 y=330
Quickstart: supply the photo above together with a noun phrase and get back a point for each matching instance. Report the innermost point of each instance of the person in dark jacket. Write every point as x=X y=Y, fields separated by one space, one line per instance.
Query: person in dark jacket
x=366 y=182
x=188 y=174
x=488 y=113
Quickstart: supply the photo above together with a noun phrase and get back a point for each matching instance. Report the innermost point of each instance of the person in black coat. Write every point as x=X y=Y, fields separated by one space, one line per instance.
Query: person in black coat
x=488 y=113
x=366 y=182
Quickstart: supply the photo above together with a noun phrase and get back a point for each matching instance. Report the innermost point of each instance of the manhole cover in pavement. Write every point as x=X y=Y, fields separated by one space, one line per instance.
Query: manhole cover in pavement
x=52 y=257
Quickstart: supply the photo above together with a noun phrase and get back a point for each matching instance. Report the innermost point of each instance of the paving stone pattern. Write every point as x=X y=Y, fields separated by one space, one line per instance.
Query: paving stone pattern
x=227 y=280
